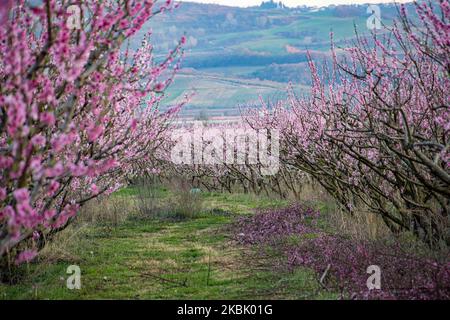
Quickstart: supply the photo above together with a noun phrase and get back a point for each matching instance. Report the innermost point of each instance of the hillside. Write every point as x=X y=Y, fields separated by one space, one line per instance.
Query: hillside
x=215 y=94
x=254 y=44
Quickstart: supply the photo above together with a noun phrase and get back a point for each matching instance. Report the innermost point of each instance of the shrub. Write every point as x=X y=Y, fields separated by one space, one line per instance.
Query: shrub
x=183 y=203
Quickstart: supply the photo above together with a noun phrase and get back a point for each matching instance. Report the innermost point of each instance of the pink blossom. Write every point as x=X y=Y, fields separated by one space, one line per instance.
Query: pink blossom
x=60 y=142
x=38 y=140
x=26 y=256
x=159 y=87
x=94 y=132
x=78 y=170
x=94 y=189
x=48 y=118
x=55 y=171
x=36 y=235
x=22 y=195
x=53 y=187
x=53 y=123
x=49 y=214
x=6 y=162
x=5 y=7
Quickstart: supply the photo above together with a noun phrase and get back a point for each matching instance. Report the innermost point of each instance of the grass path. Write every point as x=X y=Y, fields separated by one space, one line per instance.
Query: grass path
x=157 y=259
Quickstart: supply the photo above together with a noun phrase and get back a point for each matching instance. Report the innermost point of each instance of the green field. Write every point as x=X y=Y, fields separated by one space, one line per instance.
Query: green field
x=220 y=95
x=230 y=51
x=143 y=258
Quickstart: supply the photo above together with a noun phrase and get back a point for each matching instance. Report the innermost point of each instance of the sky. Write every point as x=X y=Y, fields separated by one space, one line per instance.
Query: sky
x=293 y=3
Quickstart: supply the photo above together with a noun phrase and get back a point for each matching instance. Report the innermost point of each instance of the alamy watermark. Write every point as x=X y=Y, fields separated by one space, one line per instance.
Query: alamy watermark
x=74 y=280
x=74 y=19
x=374 y=281
x=202 y=145
x=374 y=21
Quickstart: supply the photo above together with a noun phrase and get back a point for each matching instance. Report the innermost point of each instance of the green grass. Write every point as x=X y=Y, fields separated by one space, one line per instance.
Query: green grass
x=220 y=91
x=219 y=94
x=273 y=40
x=161 y=259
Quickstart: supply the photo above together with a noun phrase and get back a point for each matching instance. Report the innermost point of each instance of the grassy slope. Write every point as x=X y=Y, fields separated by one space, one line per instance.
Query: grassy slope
x=154 y=259
x=218 y=93
x=318 y=26
x=221 y=95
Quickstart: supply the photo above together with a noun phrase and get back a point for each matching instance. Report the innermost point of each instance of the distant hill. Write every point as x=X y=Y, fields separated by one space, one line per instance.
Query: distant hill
x=265 y=43
x=211 y=27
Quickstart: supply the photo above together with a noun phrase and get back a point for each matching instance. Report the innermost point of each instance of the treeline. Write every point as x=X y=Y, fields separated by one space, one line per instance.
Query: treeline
x=241 y=60
x=299 y=73
x=296 y=73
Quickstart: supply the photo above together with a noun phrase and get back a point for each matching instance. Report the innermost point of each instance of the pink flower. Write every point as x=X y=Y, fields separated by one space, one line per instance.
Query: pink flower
x=49 y=214
x=159 y=87
x=6 y=162
x=56 y=171
x=48 y=118
x=38 y=140
x=94 y=133
x=8 y=212
x=78 y=170
x=26 y=256
x=94 y=189
x=59 y=142
x=22 y=195
x=54 y=186
x=134 y=123
x=36 y=235
x=107 y=165
x=36 y=164
x=5 y=7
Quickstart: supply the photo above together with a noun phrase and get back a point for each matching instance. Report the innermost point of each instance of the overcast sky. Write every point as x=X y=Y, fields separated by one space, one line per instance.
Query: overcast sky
x=293 y=3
